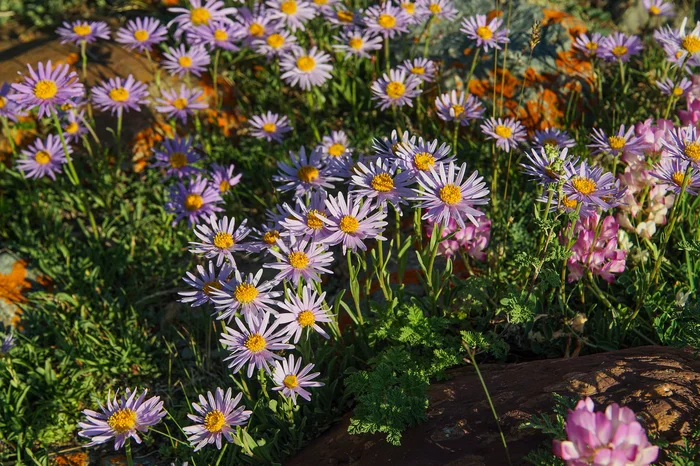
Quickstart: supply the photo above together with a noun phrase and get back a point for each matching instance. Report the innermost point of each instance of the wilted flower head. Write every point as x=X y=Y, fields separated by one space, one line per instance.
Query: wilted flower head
x=83 y=31
x=217 y=416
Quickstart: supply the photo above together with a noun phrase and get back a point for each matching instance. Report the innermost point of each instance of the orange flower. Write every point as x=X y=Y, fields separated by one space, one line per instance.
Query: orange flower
x=13 y=284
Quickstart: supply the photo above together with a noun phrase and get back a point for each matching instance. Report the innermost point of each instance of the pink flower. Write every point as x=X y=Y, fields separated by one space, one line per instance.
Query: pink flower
x=598 y=254
x=644 y=217
x=652 y=134
x=610 y=438
x=692 y=115
x=473 y=238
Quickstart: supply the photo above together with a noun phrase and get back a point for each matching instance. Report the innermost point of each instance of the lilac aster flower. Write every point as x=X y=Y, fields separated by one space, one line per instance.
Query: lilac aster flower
x=684 y=143
x=291 y=381
x=307 y=220
x=507 y=133
x=565 y=204
x=612 y=437
x=624 y=142
x=443 y=9
x=341 y=16
x=658 y=8
x=181 y=61
x=552 y=137
x=216 y=35
x=79 y=31
x=421 y=68
x=200 y=14
x=219 y=239
x=223 y=177
x=204 y=286
x=74 y=126
x=43 y=158
x=292 y=13
x=179 y=105
x=300 y=259
x=487 y=34
x=357 y=42
x=546 y=165
x=588 y=45
x=193 y=200
x=122 y=418
x=8 y=107
x=352 y=222
x=389 y=148
x=387 y=20
x=455 y=106
x=257 y=24
x=247 y=296
x=588 y=185
x=177 y=156
x=120 y=95
x=396 y=89
x=446 y=195
x=47 y=88
x=217 y=416
x=305 y=173
x=423 y=156
x=671 y=41
x=141 y=34
x=306 y=69
x=668 y=87
x=619 y=47
x=305 y=311
x=8 y=342
x=336 y=146
x=671 y=172
x=264 y=239
x=688 y=42
x=276 y=44
x=269 y=126
x=253 y=344
x=379 y=180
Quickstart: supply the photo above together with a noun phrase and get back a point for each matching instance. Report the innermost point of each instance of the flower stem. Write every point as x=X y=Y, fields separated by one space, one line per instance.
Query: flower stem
x=471 y=70
x=83 y=56
x=427 y=39
x=8 y=134
x=129 y=459
x=216 y=78
x=386 y=54
x=455 y=134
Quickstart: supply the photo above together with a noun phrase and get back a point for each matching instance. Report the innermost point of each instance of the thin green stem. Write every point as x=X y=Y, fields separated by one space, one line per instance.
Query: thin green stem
x=129 y=459
x=472 y=68
x=386 y=54
x=215 y=78
x=427 y=39
x=83 y=56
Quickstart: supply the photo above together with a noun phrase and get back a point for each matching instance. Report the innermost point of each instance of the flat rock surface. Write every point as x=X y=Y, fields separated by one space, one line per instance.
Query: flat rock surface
x=662 y=385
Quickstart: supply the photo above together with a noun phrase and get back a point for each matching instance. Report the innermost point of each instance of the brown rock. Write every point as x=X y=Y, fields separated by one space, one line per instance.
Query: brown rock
x=662 y=385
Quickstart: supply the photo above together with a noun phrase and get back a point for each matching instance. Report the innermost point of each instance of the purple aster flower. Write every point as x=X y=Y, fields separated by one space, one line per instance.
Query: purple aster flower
x=264 y=239
x=122 y=418
x=455 y=106
x=688 y=42
x=196 y=199
x=588 y=185
x=219 y=239
x=387 y=20
x=119 y=96
x=658 y=8
x=445 y=195
x=204 y=286
x=421 y=68
x=269 y=126
x=423 y=156
x=177 y=156
x=8 y=107
x=487 y=34
x=671 y=172
x=507 y=133
x=216 y=35
x=141 y=34
x=305 y=174
x=357 y=42
x=300 y=259
x=179 y=105
x=307 y=220
x=253 y=344
x=291 y=381
x=619 y=47
x=276 y=44
x=340 y=16
x=389 y=148
x=217 y=416
x=336 y=146
x=257 y=24
x=552 y=137
x=684 y=144
x=79 y=31
x=668 y=87
x=305 y=311
x=588 y=46
x=564 y=204
x=546 y=165
x=223 y=177
x=624 y=142
x=396 y=89
x=292 y=13
x=8 y=342
x=246 y=296
x=74 y=126
x=379 y=180
x=181 y=61
x=443 y=9
x=671 y=41
x=43 y=158
x=200 y=14
x=47 y=88
x=352 y=222
x=306 y=69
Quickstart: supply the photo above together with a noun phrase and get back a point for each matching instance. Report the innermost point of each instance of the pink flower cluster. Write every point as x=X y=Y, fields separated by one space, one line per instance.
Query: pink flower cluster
x=596 y=249
x=472 y=238
x=610 y=438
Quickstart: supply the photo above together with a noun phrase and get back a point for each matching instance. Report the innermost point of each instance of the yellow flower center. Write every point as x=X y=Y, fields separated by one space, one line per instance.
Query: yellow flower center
x=395 y=89
x=72 y=128
x=289 y=7
x=298 y=259
x=435 y=8
x=193 y=202
x=45 y=89
x=382 y=182
x=119 y=94
x=678 y=177
x=616 y=142
x=691 y=44
x=67 y=106
x=3 y=102
x=223 y=240
x=214 y=421
x=271 y=237
x=245 y=293
x=677 y=91
x=320 y=2
x=275 y=41
x=200 y=16
x=306 y=63
x=592 y=46
x=692 y=151
x=679 y=54
x=180 y=103
x=386 y=21
x=450 y=194
x=307 y=173
x=269 y=127
x=82 y=29
x=484 y=32
x=290 y=381
x=423 y=161
x=654 y=10
x=503 y=131
x=336 y=150
x=345 y=16
x=220 y=35
x=178 y=160
x=141 y=35
x=185 y=61
x=306 y=318
x=122 y=421
x=349 y=224
x=224 y=186
x=255 y=343
x=313 y=220
x=356 y=43
x=210 y=286
x=569 y=203
x=619 y=50
x=42 y=157
x=409 y=8
x=418 y=70
x=256 y=30
x=458 y=109
x=584 y=185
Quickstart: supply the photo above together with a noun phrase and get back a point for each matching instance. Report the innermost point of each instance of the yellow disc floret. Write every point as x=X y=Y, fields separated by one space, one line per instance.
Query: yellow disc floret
x=124 y=420
x=298 y=259
x=255 y=343
x=223 y=240
x=450 y=194
x=214 y=421
x=245 y=293
x=382 y=182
